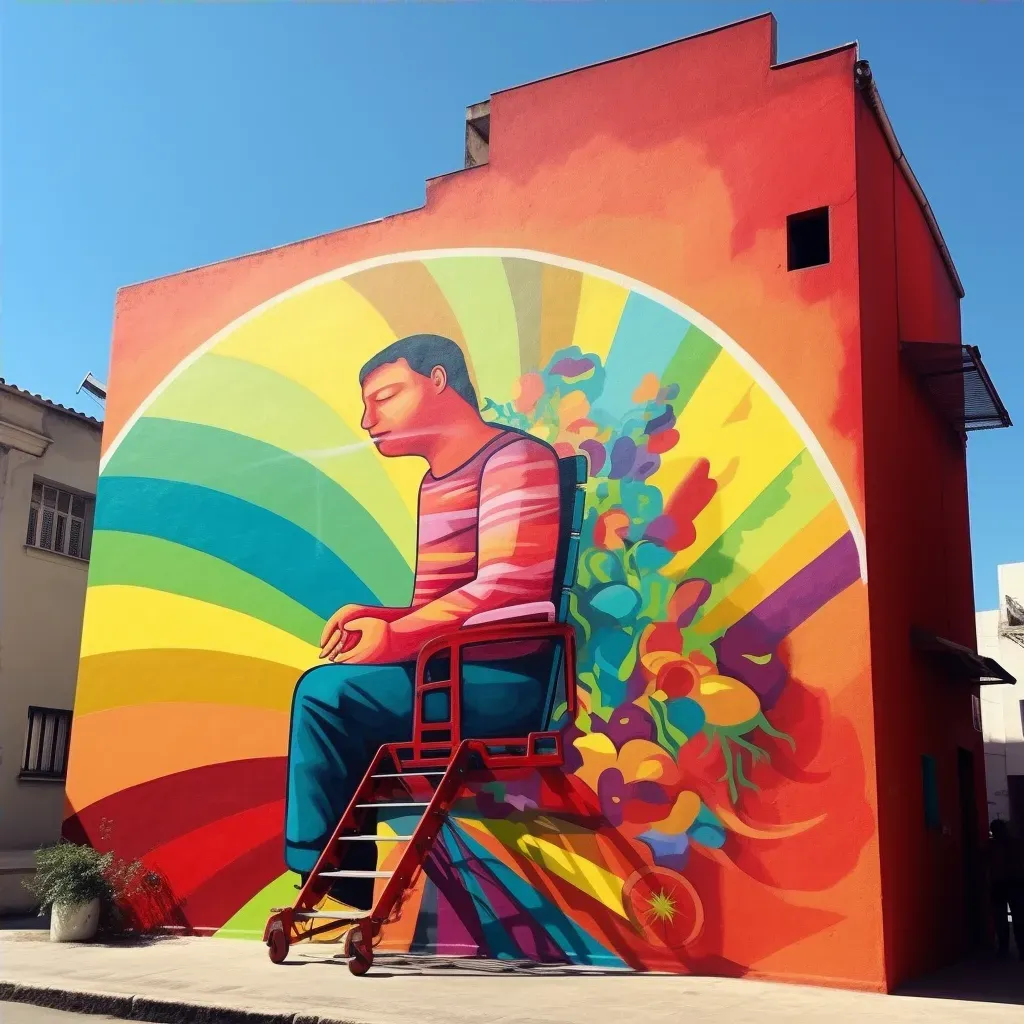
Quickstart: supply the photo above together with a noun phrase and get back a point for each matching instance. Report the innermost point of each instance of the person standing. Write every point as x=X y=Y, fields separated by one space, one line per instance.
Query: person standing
x=1006 y=887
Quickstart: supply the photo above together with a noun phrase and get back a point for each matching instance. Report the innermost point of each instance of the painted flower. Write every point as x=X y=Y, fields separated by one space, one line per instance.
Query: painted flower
x=626 y=723
x=611 y=529
x=596 y=454
x=635 y=802
x=571 y=367
x=633 y=783
x=530 y=389
x=687 y=600
x=647 y=391
x=747 y=652
x=623 y=457
x=645 y=464
x=675 y=527
x=726 y=701
x=667 y=851
x=663 y=442
x=663 y=421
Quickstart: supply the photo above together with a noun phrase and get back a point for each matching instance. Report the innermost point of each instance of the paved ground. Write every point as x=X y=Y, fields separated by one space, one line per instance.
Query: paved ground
x=406 y=990
x=22 y=1013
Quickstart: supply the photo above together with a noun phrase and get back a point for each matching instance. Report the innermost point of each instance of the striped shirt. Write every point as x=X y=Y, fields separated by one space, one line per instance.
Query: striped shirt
x=488 y=535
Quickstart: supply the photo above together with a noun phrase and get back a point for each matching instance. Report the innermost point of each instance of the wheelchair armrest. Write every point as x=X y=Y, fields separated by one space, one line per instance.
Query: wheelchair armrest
x=534 y=611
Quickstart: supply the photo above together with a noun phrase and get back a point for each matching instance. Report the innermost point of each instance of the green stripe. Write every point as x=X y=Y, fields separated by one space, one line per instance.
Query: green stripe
x=524 y=282
x=692 y=360
x=776 y=515
x=478 y=293
x=271 y=479
x=247 y=399
x=131 y=559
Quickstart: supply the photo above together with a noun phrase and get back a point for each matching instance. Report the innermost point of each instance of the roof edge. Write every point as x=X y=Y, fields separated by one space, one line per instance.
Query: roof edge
x=864 y=80
x=46 y=403
x=652 y=49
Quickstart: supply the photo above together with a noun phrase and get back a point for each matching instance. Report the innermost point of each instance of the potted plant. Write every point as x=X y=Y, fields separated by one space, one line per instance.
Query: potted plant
x=74 y=882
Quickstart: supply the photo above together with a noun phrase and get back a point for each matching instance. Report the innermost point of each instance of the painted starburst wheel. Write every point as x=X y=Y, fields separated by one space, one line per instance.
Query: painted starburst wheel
x=664 y=907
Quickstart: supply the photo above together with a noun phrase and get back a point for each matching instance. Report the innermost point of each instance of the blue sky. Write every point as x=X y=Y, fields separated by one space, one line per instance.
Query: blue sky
x=138 y=140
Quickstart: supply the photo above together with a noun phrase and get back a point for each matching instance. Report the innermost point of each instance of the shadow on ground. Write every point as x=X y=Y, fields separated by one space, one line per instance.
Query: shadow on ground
x=981 y=979
x=24 y=922
x=394 y=965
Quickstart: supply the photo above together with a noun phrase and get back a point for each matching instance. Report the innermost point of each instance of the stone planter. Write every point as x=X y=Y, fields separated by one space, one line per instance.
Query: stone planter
x=74 y=922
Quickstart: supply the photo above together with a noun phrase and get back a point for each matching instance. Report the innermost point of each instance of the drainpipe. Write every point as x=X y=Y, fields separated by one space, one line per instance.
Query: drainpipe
x=865 y=82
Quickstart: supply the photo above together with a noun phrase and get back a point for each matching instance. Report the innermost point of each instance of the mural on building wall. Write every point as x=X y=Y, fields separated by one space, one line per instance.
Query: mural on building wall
x=371 y=458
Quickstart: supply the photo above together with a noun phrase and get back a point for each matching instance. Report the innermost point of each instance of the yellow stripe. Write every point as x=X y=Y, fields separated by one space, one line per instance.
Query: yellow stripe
x=181 y=676
x=320 y=339
x=601 y=305
x=557 y=858
x=750 y=451
x=119 y=618
x=820 y=534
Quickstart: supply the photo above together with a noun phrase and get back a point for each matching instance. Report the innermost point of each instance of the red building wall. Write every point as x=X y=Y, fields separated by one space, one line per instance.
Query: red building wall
x=675 y=170
x=919 y=566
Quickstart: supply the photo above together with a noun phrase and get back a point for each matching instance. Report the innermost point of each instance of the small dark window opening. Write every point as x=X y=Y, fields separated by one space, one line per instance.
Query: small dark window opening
x=46 y=745
x=807 y=237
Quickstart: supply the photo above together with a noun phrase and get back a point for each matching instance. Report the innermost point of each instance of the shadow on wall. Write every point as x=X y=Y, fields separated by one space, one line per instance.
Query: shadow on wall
x=980 y=979
x=1014 y=754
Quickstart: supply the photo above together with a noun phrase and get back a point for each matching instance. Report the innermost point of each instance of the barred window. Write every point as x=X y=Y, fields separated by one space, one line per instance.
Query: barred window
x=60 y=520
x=46 y=745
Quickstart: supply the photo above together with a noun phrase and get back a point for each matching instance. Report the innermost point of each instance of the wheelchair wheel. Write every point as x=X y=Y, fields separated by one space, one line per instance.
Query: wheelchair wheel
x=664 y=907
x=359 y=951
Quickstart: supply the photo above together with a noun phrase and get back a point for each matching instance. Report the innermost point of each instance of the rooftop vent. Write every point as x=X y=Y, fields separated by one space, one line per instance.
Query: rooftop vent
x=1012 y=625
x=478 y=133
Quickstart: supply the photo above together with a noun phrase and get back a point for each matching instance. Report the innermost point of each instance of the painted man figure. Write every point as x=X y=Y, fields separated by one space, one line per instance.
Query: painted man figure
x=488 y=524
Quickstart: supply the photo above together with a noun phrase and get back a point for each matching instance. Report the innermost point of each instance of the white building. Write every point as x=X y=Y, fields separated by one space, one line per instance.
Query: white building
x=49 y=461
x=1001 y=636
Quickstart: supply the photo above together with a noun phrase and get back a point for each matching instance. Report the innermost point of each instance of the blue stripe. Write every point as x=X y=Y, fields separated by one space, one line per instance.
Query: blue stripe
x=275 y=480
x=574 y=942
x=497 y=941
x=256 y=541
x=645 y=342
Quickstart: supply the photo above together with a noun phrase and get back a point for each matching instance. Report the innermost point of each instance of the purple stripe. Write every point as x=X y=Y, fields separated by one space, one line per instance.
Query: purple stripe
x=528 y=935
x=458 y=927
x=811 y=588
x=762 y=629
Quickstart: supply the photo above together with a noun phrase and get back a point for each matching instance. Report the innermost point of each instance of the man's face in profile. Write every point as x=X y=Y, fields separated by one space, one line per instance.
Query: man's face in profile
x=399 y=408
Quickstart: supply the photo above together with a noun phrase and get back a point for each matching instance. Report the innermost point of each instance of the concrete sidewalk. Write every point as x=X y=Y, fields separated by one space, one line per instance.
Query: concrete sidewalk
x=213 y=980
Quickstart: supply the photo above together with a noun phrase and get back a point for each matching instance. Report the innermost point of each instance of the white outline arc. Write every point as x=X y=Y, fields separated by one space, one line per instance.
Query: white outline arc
x=756 y=371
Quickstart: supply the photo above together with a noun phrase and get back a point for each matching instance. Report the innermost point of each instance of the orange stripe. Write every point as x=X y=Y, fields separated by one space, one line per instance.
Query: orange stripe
x=560 y=299
x=817 y=536
x=124 y=747
x=409 y=299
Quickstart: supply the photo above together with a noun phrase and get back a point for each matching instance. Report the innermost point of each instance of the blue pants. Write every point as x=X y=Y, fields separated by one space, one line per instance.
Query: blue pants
x=341 y=714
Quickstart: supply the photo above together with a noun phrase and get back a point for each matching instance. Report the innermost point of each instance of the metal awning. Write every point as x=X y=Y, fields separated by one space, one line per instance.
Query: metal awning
x=957 y=383
x=960 y=663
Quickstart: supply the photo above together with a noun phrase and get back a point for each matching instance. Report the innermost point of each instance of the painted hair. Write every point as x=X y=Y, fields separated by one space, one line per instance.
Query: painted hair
x=423 y=352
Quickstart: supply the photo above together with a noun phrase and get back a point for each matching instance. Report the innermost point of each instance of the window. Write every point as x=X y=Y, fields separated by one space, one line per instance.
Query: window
x=1022 y=716
x=976 y=711
x=807 y=238
x=60 y=520
x=46 y=745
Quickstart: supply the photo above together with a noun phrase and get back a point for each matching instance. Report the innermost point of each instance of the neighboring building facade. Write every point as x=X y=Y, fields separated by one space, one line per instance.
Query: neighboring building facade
x=716 y=278
x=49 y=460
x=1001 y=636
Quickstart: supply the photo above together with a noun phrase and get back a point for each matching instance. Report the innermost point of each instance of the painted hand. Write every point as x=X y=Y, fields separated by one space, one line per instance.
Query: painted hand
x=370 y=646
x=333 y=638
